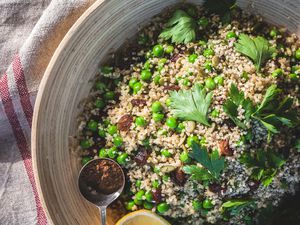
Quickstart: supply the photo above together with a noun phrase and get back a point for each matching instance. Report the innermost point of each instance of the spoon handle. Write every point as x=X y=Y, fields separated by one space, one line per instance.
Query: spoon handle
x=103 y=215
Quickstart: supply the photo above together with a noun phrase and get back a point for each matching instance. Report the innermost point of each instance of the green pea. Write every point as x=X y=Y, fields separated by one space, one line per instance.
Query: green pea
x=209 y=83
x=276 y=73
x=85 y=160
x=219 y=80
x=102 y=153
x=202 y=42
x=148 y=205
x=230 y=35
x=99 y=103
x=215 y=113
x=197 y=205
x=169 y=49
x=245 y=75
x=208 y=66
x=166 y=177
x=106 y=122
x=121 y=159
x=118 y=141
x=186 y=82
x=112 y=152
x=156 y=79
x=163 y=207
x=112 y=129
x=171 y=122
x=156 y=169
x=192 y=139
x=109 y=95
x=146 y=75
x=168 y=102
x=157 y=117
x=107 y=69
x=295 y=69
x=158 y=50
x=138 y=202
x=147 y=65
x=129 y=205
x=149 y=196
x=148 y=55
x=208 y=52
x=207 y=204
x=132 y=81
x=100 y=86
x=85 y=143
x=203 y=22
x=203 y=141
x=162 y=61
x=180 y=127
x=273 y=32
x=192 y=58
x=165 y=153
x=143 y=39
x=137 y=87
x=101 y=133
x=293 y=76
x=139 y=195
x=155 y=183
x=92 y=125
x=156 y=106
x=184 y=157
x=138 y=183
x=297 y=54
x=140 y=121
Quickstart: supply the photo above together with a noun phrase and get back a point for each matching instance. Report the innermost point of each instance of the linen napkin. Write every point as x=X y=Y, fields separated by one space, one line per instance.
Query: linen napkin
x=30 y=32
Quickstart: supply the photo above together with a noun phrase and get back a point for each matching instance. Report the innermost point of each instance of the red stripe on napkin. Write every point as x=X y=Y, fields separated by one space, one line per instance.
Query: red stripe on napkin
x=22 y=144
x=22 y=89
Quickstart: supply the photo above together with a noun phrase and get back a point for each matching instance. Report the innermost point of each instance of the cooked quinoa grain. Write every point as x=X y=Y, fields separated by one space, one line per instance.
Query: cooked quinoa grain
x=204 y=131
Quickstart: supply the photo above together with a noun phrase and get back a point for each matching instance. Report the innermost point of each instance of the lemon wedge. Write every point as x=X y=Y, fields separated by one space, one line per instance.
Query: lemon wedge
x=142 y=217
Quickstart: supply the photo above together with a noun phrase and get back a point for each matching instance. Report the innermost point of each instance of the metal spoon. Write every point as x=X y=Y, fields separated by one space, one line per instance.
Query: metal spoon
x=98 y=197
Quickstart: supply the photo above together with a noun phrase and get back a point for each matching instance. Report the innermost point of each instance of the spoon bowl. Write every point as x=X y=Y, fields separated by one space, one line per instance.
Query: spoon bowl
x=92 y=189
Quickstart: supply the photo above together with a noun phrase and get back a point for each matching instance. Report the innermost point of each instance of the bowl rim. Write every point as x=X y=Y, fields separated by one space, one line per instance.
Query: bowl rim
x=40 y=95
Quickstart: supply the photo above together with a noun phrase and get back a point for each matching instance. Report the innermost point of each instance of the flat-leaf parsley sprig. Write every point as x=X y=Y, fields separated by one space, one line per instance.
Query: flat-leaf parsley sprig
x=212 y=164
x=181 y=28
x=191 y=104
x=258 y=49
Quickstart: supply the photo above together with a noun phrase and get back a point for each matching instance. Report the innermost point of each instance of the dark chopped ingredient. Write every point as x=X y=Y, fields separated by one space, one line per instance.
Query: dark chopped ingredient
x=103 y=176
x=141 y=157
x=172 y=88
x=178 y=177
x=138 y=102
x=174 y=57
x=253 y=184
x=224 y=148
x=125 y=122
x=215 y=188
x=157 y=195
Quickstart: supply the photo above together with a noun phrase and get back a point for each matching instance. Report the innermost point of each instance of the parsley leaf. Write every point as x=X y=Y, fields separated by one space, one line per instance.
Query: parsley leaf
x=197 y=173
x=191 y=104
x=181 y=28
x=271 y=113
x=213 y=162
x=234 y=202
x=264 y=164
x=231 y=105
x=258 y=49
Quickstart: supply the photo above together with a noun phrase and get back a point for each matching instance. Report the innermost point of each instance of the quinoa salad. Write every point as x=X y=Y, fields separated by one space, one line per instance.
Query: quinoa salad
x=201 y=110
